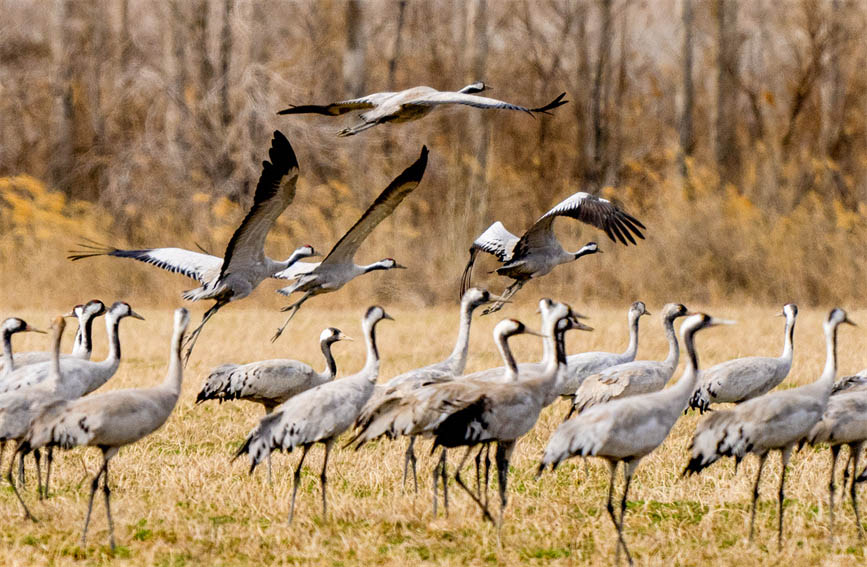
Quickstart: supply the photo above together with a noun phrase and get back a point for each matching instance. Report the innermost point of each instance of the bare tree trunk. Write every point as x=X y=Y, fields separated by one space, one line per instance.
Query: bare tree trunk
x=62 y=90
x=205 y=69
x=687 y=140
x=580 y=107
x=225 y=57
x=353 y=58
x=727 y=154
x=175 y=72
x=395 y=47
x=613 y=169
x=597 y=173
x=479 y=124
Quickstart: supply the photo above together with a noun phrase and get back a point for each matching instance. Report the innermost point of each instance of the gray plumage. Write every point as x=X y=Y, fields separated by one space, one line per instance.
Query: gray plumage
x=339 y=267
x=628 y=429
x=270 y=382
x=82 y=347
x=843 y=423
x=244 y=264
x=743 y=379
x=317 y=415
x=388 y=394
x=19 y=409
x=411 y=104
x=636 y=377
x=538 y=251
x=854 y=383
x=775 y=421
x=111 y=420
x=78 y=376
x=580 y=366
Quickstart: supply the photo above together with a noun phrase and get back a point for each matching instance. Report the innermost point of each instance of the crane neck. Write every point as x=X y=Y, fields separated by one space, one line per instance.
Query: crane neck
x=371 y=366
x=458 y=358
x=55 y=354
x=375 y=266
x=330 y=366
x=502 y=342
x=112 y=324
x=632 y=349
x=560 y=374
x=788 y=345
x=83 y=346
x=175 y=374
x=829 y=373
x=685 y=386
x=279 y=266
x=673 y=351
x=9 y=361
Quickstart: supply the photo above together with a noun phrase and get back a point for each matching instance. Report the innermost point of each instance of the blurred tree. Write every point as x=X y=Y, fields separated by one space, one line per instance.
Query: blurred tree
x=728 y=47
x=354 y=56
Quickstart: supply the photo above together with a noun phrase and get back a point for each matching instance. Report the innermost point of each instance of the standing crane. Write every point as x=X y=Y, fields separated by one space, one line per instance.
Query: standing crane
x=390 y=393
x=843 y=423
x=743 y=379
x=776 y=421
x=244 y=265
x=317 y=415
x=538 y=251
x=412 y=104
x=270 y=382
x=628 y=429
x=339 y=268
x=112 y=420
x=582 y=365
x=636 y=377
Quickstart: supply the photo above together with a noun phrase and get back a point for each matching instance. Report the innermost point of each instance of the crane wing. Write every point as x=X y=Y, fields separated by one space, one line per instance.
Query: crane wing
x=274 y=192
x=496 y=240
x=476 y=101
x=295 y=270
x=382 y=207
x=589 y=209
x=195 y=265
x=338 y=108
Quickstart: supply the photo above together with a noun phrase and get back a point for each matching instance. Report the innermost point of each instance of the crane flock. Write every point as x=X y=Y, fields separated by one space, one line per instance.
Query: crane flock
x=620 y=408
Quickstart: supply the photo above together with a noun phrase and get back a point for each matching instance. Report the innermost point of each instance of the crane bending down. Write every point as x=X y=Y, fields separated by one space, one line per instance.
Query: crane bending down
x=339 y=267
x=412 y=104
x=774 y=422
x=746 y=378
x=317 y=415
x=244 y=265
x=112 y=420
x=538 y=251
x=628 y=429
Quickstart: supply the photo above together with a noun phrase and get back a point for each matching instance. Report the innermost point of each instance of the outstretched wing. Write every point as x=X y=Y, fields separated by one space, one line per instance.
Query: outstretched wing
x=338 y=108
x=589 y=209
x=274 y=192
x=382 y=207
x=496 y=240
x=476 y=101
x=195 y=265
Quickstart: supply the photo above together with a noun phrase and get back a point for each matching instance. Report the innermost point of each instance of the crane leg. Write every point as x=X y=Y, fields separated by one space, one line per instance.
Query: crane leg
x=487 y=469
x=628 y=471
x=436 y=477
x=293 y=309
x=194 y=336
x=106 y=491
x=94 y=485
x=781 y=495
x=37 y=456
x=460 y=482
x=505 y=297
x=21 y=477
x=50 y=461
x=323 y=478
x=503 y=455
x=409 y=458
x=835 y=452
x=609 y=506
x=762 y=459
x=445 y=478
x=11 y=480
x=853 y=489
x=296 y=478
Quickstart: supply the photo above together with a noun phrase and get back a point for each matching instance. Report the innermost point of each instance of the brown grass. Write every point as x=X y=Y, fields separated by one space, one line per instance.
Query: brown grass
x=178 y=500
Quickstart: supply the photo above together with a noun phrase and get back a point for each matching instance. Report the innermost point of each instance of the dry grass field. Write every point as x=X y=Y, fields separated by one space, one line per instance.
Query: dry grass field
x=179 y=501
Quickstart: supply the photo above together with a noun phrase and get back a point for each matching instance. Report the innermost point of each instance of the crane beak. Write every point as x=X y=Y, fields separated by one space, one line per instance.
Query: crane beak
x=387 y=316
x=342 y=337
x=849 y=321
x=536 y=333
x=579 y=316
x=498 y=298
x=576 y=324
x=715 y=321
x=136 y=315
x=400 y=267
x=32 y=330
